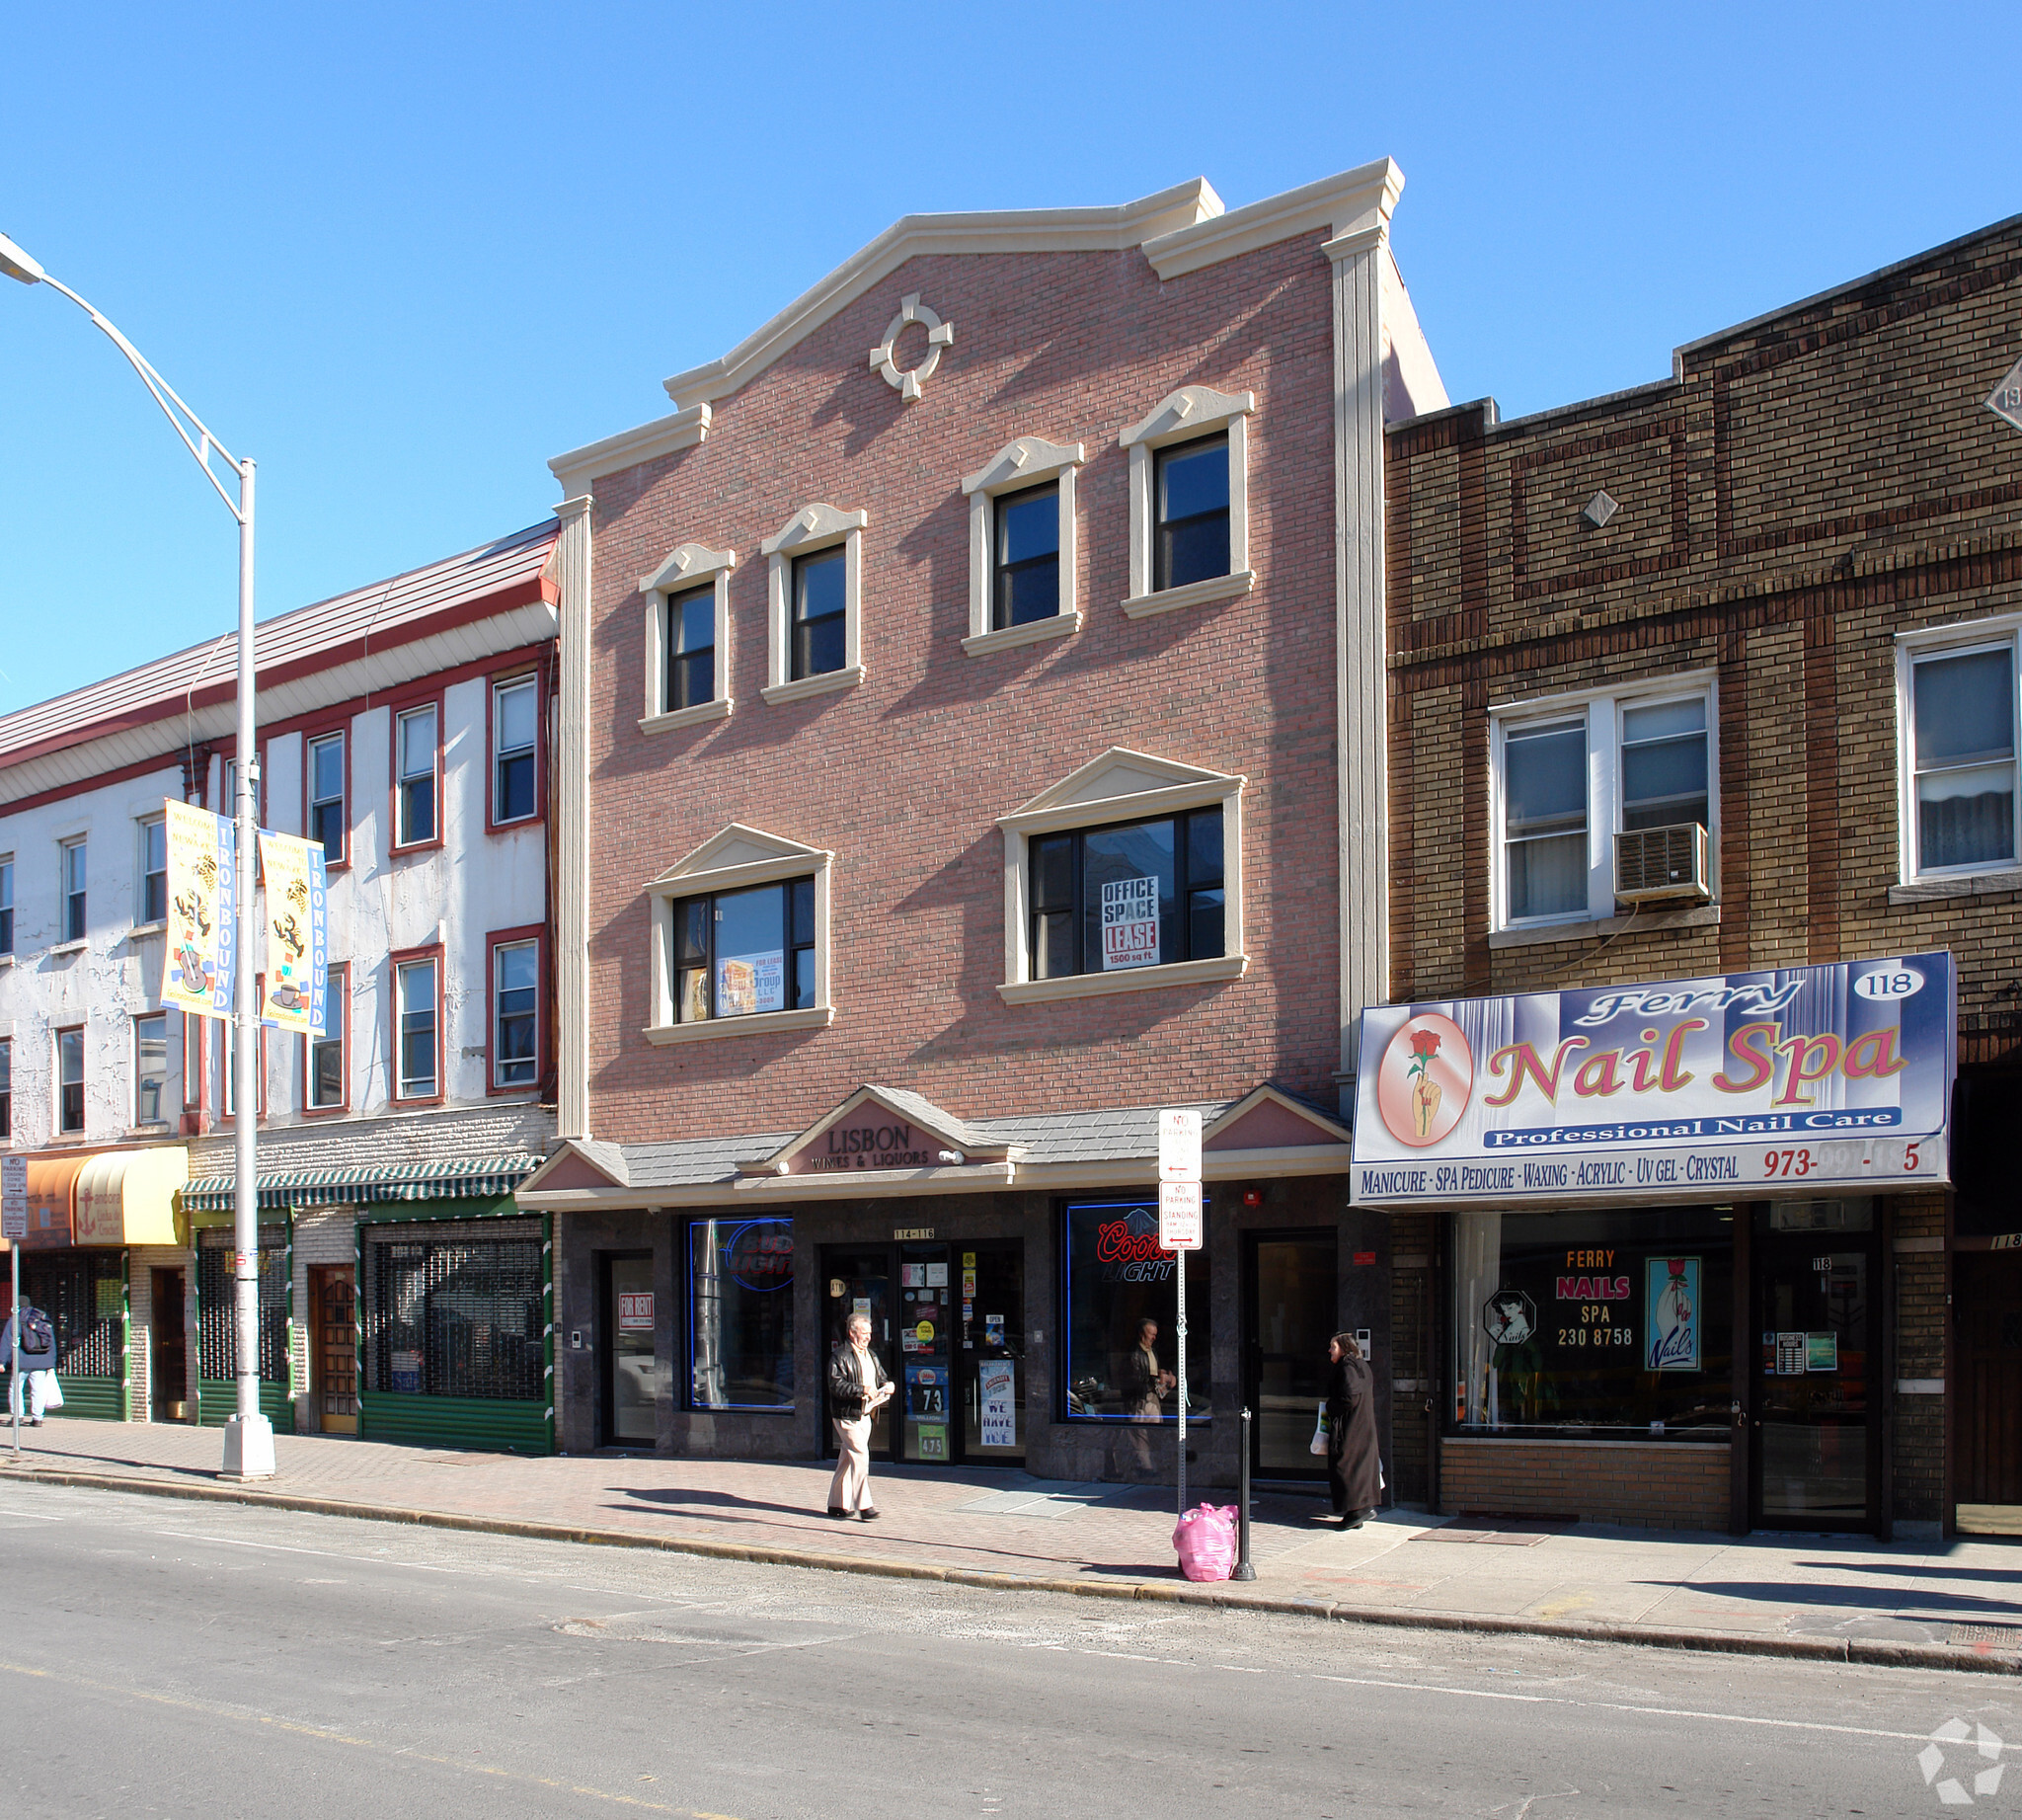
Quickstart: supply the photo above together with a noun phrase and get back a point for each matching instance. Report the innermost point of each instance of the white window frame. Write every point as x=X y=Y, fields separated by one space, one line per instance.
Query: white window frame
x=494 y=999
x=142 y=922
x=809 y=532
x=1992 y=634
x=162 y=1118
x=7 y=904
x=687 y=567
x=736 y=859
x=1186 y=416
x=1602 y=710
x=1121 y=786
x=340 y=736
x=65 y=846
x=402 y=841
x=403 y=1088
x=1029 y=461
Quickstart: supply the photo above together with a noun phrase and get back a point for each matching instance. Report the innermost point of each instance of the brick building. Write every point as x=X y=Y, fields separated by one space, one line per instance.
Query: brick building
x=971 y=733
x=1718 y=678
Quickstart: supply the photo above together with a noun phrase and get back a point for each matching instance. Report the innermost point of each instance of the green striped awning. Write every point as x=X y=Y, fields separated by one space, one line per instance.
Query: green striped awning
x=466 y=1177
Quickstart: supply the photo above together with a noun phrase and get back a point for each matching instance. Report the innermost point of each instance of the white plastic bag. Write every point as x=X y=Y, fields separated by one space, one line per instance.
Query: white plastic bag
x=1318 y=1444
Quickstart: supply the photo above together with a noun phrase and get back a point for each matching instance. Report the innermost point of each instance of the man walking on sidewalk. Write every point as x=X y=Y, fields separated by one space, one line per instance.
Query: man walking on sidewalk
x=38 y=1372
x=858 y=1387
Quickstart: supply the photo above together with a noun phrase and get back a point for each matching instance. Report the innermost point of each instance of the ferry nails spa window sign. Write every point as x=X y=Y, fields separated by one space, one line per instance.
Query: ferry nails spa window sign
x=1805 y=1078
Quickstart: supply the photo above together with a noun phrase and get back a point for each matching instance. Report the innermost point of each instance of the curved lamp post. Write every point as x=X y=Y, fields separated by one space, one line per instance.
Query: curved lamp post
x=249 y=1435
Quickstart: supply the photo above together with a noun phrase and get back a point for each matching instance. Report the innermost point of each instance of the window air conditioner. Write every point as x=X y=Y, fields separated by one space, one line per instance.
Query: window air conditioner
x=1656 y=863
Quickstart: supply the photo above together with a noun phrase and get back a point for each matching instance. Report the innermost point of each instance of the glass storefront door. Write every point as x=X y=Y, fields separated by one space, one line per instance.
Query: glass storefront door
x=992 y=1361
x=859 y=1281
x=1814 y=1453
x=1291 y=1303
x=631 y=1371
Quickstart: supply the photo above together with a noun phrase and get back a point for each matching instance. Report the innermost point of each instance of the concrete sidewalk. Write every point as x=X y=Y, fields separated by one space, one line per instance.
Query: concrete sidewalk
x=1838 y=1598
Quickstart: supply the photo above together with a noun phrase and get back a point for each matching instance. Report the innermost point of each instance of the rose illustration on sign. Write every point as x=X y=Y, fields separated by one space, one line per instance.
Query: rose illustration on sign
x=1425 y=1080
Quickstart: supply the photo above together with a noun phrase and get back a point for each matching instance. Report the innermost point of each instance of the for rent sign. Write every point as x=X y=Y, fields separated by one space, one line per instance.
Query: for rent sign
x=1834 y=1078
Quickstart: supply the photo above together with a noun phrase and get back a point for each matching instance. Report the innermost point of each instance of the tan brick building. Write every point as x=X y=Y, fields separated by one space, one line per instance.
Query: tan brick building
x=971 y=733
x=1778 y=597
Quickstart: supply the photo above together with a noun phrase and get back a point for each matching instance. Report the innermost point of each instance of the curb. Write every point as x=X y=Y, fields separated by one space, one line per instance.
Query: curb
x=1852 y=1650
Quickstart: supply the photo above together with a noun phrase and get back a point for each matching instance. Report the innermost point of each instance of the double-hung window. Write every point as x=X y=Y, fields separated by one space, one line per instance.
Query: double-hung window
x=1961 y=783
x=1191 y=504
x=154 y=871
x=690 y=650
x=1026 y=559
x=1573 y=774
x=6 y=904
x=325 y=1088
x=1190 y=501
x=416 y=753
x=6 y=1089
x=1111 y=900
x=687 y=638
x=736 y=953
x=814 y=603
x=515 y=1014
x=821 y=604
x=72 y=856
x=327 y=820
x=515 y=729
x=70 y=1082
x=417 y=1017
x=150 y=1069
x=1021 y=545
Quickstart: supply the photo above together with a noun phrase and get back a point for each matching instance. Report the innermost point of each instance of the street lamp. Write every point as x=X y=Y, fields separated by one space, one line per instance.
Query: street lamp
x=249 y=1435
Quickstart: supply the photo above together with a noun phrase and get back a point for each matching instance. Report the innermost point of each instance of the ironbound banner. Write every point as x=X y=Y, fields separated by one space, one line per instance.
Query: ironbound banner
x=1801 y=1078
x=202 y=851
x=297 y=958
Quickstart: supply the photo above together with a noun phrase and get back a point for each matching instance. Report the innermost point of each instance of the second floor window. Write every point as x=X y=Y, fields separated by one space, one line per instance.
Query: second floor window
x=819 y=621
x=1544 y=819
x=1148 y=894
x=154 y=871
x=516 y=727
x=691 y=649
x=325 y=796
x=1963 y=737
x=6 y=1089
x=326 y=1076
x=1664 y=765
x=74 y=923
x=741 y=952
x=7 y=904
x=1190 y=527
x=70 y=1082
x=415 y=806
x=417 y=1063
x=150 y=1069
x=515 y=1014
x=1026 y=557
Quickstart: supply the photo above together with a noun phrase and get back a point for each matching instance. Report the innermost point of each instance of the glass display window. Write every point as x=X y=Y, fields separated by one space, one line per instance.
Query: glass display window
x=1122 y=1318
x=741 y=1300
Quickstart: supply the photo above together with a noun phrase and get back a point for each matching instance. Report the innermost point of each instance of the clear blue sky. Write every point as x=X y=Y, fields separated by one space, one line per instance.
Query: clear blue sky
x=403 y=254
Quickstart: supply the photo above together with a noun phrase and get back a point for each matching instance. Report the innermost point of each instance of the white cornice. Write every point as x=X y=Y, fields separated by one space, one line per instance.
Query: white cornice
x=627 y=450
x=1354 y=202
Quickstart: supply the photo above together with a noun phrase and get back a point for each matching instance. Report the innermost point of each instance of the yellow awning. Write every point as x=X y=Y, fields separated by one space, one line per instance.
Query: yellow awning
x=129 y=1197
x=50 y=1184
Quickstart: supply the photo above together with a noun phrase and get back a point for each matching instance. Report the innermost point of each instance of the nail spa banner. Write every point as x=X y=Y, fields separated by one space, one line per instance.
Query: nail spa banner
x=1834 y=1078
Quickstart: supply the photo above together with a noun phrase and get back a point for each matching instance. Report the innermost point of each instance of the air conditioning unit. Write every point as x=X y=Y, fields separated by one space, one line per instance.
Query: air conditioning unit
x=1657 y=863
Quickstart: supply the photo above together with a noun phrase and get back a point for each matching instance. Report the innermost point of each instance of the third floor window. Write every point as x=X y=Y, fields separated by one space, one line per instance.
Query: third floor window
x=690 y=650
x=74 y=922
x=415 y=762
x=325 y=796
x=820 y=624
x=154 y=872
x=516 y=731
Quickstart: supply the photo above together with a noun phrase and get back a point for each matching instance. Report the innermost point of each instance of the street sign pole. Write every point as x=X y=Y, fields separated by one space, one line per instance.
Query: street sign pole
x=1178 y=1231
x=14 y=1228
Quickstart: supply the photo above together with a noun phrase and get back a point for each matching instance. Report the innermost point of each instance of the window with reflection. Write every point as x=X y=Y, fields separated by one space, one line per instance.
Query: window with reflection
x=735 y=953
x=1190 y=531
x=741 y=1302
x=1545 y=818
x=1026 y=583
x=820 y=616
x=1964 y=717
x=1106 y=900
x=690 y=678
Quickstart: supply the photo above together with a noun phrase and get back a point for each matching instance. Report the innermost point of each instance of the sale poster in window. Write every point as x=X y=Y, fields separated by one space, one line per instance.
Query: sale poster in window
x=1129 y=924
x=998 y=1382
x=749 y=983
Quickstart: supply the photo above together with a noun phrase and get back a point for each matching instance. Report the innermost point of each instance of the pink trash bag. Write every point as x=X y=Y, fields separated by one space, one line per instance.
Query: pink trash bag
x=1205 y=1538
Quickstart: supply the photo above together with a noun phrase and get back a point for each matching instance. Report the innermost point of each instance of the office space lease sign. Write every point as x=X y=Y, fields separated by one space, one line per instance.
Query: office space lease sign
x=1790 y=1079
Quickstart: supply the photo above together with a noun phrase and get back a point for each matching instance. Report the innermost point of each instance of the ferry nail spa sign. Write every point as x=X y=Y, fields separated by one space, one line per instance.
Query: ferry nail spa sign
x=1804 y=1078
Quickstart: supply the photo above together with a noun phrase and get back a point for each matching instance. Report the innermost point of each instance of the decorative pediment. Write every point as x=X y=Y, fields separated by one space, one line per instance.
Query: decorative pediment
x=1190 y=407
x=1120 y=775
x=685 y=565
x=1026 y=461
x=812 y=525
x=735 y=849
x=881 y=1128
x=582 y=1165
x=1268 y=1119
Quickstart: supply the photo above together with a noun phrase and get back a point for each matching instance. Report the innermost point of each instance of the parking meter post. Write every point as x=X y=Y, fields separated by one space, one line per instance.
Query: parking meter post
x=1244 y=1572
x=1182 y=1383
x=14 y=1325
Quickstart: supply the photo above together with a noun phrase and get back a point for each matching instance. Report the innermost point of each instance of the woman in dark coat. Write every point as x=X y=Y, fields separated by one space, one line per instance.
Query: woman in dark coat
x=1353 y=1475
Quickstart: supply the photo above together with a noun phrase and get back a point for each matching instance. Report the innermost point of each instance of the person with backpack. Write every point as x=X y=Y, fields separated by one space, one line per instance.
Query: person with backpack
x=38 y=1367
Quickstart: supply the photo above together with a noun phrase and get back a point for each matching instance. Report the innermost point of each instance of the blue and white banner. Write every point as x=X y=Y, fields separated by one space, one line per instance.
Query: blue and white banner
x=1801 y=1078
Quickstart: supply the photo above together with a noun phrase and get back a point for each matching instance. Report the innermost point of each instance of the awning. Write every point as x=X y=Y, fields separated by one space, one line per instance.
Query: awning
x=129 y=1197
x=469 y=1177
x=52 y=1195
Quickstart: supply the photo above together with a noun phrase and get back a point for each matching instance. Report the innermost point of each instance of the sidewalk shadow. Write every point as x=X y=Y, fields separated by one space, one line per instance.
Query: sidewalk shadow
x=674 y=1497
x=1880 y=1599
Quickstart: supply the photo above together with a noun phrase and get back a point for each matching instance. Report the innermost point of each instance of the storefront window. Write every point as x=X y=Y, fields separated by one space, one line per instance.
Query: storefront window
x=741 y=1297
x=84 y=1295
x=453 y=1315
x=1122 y=1318
x=1612 y=1324
x=217 y=1313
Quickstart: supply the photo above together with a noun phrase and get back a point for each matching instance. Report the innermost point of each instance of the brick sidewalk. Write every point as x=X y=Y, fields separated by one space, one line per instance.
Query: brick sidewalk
x=1807 y=1593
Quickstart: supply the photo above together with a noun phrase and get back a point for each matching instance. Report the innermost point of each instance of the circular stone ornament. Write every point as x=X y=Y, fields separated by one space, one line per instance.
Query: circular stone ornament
x=938 y=334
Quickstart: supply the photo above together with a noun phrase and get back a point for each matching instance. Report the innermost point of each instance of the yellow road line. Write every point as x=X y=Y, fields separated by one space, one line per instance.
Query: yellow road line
x=324 y=1734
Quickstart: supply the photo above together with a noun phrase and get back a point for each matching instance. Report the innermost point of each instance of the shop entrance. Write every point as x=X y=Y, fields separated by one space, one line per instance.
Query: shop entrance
x=333 y=1297
x=1815 y=1443
x=168 y=1350
x=1291 y=1304
x=631 y=1376
x=947 y=1320
x=1987 y=1309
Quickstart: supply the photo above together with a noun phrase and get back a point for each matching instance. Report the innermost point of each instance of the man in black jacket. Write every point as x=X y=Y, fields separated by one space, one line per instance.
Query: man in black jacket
x=858 y=1387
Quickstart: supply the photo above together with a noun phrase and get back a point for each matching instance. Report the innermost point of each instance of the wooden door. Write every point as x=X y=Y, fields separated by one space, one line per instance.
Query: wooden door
x=333 y=1293
x=168 y=1356
x=1989 y=1303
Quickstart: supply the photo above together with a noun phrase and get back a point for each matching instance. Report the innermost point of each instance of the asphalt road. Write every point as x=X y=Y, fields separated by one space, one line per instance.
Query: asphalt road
x=162 y=1657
